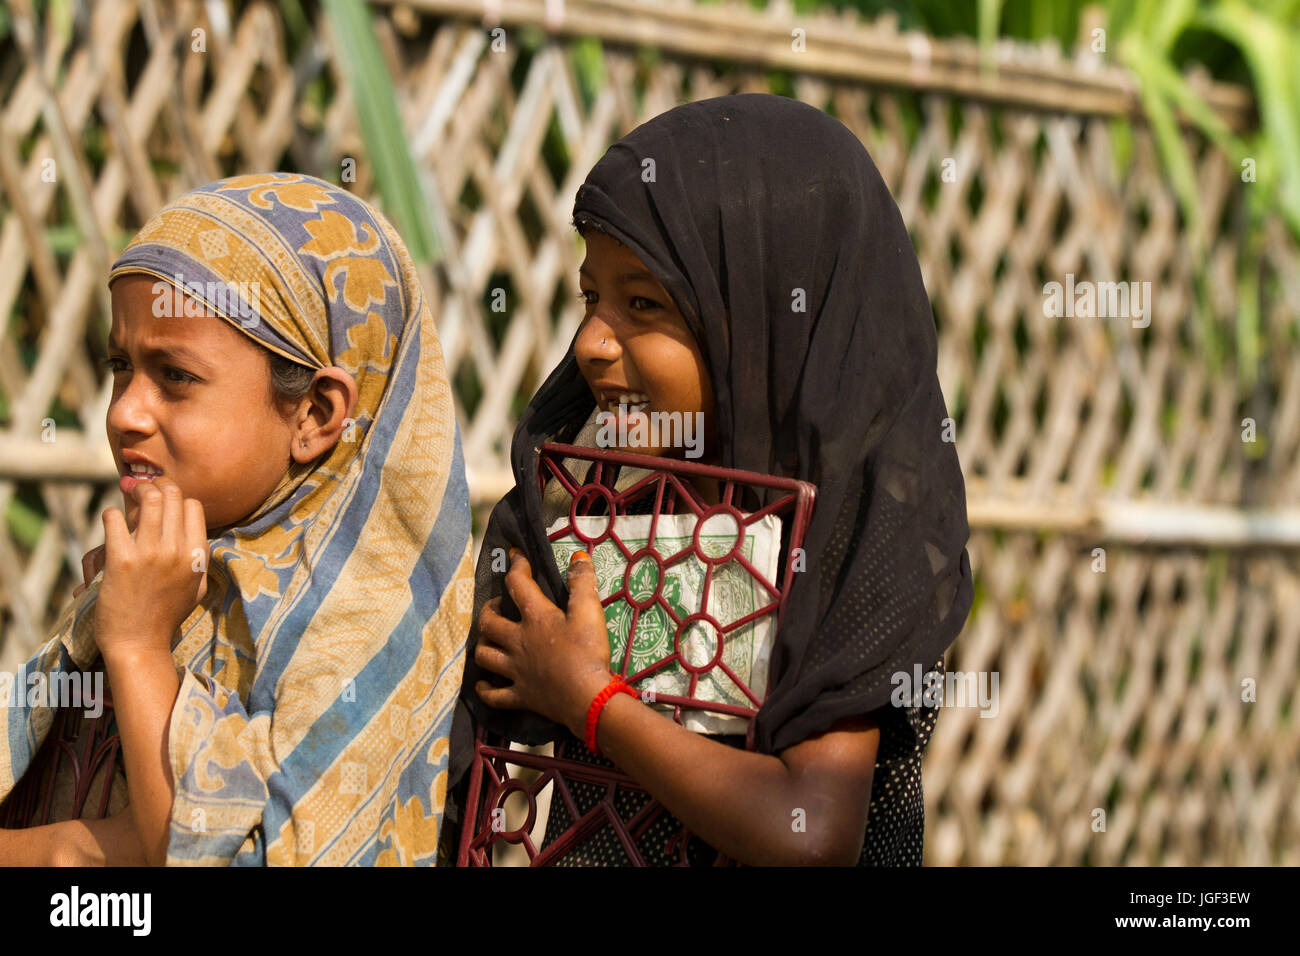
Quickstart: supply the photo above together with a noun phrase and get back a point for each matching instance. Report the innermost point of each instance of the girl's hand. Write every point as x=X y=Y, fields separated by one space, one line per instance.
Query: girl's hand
x=557 y=662
x=112 y=841
x=154 y=576
x=92 y=562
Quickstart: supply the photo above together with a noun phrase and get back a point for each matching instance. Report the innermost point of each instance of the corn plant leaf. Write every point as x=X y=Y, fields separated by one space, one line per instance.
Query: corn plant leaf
x=387 y=147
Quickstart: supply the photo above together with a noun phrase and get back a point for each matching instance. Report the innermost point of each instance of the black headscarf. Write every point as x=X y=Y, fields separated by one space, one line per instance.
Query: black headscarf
x=747 y=208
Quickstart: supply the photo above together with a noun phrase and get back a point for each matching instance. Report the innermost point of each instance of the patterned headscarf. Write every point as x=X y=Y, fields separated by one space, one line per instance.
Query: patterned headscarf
x=320 y=671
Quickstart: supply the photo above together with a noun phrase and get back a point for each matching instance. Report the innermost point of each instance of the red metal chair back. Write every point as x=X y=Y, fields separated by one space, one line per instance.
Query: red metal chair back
x=76 y=744
x=495 y=773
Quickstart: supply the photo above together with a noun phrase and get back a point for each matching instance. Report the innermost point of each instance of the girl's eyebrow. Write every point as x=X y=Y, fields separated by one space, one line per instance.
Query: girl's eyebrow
x=177 y=353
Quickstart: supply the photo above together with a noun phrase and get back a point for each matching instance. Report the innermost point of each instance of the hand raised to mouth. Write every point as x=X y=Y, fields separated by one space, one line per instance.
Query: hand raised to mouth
x=155 y=573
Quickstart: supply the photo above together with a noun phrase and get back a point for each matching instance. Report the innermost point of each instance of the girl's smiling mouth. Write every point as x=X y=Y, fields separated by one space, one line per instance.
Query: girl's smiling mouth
x=611 y=398
x=136 y=468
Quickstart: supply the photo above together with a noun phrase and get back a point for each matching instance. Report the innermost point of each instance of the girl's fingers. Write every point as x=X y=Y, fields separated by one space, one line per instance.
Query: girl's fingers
x=493 y=658
x=172 y=527
x=496 y=628
x=196 y=531
x=116 y=536
x=148 y=523
x=520 y=584
x=501 y=698
x=196 y=541
x=584 y=600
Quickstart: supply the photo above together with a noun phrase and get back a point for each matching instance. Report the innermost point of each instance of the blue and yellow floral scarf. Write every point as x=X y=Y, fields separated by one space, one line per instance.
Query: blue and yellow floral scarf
x=319 y=674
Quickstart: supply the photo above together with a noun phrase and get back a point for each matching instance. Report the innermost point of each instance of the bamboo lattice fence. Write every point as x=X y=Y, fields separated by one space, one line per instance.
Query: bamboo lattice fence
x=1122 y=671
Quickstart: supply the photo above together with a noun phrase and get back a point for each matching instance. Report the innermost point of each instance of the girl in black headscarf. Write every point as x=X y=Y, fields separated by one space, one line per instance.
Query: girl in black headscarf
x=780 y=295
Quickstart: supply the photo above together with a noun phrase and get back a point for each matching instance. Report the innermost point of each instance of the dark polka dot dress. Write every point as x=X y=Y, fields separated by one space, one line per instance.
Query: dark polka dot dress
x=896 y=819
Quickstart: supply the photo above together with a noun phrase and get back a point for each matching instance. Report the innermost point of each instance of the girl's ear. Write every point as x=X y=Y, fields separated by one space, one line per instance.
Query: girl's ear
x=325 y=415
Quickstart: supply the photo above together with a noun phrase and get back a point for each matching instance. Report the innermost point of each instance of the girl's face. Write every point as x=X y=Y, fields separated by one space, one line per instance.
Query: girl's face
x=635 y=345
x=192 y=400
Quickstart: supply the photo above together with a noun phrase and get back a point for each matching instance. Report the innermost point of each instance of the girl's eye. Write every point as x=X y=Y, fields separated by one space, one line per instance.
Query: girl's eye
x=638 y=302
x=177 y=377
x=114 y=364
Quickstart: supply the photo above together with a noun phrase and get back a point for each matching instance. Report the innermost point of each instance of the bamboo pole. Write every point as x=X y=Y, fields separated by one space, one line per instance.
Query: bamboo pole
x=70 y=458
x=861 y=52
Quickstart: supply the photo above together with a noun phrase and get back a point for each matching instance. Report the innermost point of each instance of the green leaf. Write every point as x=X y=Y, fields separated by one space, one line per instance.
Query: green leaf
x=381 y=125
x=24 y=523
x=990 y=12
x=1139 y=57
x=1271 y=49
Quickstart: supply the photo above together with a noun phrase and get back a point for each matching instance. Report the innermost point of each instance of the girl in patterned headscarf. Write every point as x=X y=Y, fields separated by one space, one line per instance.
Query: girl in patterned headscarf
x=283 y=606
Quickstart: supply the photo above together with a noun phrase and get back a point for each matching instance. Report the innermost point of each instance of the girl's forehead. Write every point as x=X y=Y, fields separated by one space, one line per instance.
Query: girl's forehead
x=609 y=254
x=148 y=331
x=599 y=244
x=140 y=322
x=137 y=293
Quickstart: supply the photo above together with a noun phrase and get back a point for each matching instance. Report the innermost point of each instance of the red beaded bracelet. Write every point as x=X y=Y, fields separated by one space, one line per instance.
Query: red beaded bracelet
x=616 y=686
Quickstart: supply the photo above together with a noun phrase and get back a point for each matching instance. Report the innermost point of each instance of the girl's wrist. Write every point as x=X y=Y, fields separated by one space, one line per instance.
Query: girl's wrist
x=577 y=722
x=134 y=651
